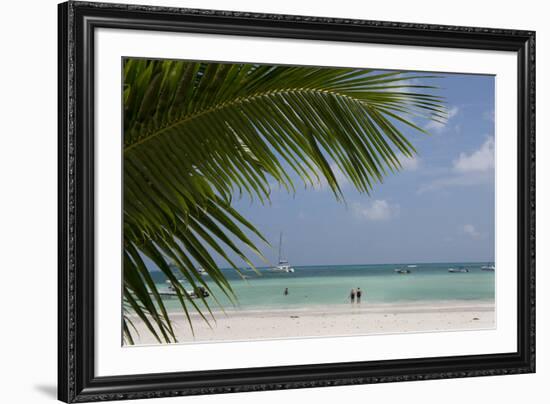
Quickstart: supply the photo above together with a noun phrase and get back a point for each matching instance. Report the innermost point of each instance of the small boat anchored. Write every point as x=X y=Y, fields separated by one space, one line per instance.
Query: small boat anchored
x=402 y=271
x=488 y=267
x=200 y=270
x=198 y=293
x=458 y=270
x=283 y=265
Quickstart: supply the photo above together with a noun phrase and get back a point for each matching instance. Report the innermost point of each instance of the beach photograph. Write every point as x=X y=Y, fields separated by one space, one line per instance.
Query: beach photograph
x=277 y=201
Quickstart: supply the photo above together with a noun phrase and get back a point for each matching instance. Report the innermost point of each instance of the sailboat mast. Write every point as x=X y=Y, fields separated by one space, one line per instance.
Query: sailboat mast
x=280 y=245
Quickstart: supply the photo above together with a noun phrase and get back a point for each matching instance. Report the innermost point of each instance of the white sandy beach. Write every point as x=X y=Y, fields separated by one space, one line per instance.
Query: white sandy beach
x=342 y=320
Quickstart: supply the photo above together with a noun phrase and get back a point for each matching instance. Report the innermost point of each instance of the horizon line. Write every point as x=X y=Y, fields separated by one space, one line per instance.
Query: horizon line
x=388 y=263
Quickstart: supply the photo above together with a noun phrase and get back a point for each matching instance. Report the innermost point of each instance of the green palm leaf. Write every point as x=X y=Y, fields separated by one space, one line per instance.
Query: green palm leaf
x=198 y=134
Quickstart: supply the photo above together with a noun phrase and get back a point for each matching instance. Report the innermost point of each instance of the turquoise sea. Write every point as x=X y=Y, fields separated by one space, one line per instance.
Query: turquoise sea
x=326 y=285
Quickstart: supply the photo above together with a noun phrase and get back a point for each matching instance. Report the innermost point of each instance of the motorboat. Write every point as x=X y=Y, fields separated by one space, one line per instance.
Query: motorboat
x=459 y=270
x=199 y=292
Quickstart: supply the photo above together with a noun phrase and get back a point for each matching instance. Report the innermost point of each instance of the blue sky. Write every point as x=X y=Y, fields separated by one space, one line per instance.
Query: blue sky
x=440 y=208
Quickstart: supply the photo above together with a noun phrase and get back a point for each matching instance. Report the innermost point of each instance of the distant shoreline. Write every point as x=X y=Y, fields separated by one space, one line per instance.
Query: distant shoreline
x=334 y=320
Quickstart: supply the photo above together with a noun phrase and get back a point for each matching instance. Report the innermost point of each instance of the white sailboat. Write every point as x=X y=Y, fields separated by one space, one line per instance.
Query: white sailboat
x=283 y=265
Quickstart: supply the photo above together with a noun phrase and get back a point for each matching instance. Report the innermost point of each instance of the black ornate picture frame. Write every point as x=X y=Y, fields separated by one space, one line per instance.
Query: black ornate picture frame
x=78 y=21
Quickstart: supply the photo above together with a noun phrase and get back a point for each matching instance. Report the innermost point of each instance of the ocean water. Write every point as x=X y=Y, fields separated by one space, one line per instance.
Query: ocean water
x=327 y=285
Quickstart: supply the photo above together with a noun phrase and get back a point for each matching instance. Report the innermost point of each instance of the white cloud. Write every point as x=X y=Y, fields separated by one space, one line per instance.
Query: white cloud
x=408 y=163
x=438 y=127
x=462 y=180
x=409 y=82
x=377 y=210
x=452 y=112
x=471 y=169
x=481 y=160
x=471 y=231
x=489 y=115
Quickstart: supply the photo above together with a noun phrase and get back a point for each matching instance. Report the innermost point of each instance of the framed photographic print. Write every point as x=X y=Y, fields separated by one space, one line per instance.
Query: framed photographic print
x=253 y=202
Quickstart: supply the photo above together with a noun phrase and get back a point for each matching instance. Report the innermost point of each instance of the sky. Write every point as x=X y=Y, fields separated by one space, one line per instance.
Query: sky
x=440 y=208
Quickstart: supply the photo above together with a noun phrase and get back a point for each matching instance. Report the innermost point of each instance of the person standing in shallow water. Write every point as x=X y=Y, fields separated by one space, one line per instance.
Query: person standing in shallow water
x=285 y=293
x=352 y=296
x=358 y=294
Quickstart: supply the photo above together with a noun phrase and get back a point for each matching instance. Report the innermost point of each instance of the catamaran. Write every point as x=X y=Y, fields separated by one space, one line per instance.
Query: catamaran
x=283 y=265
